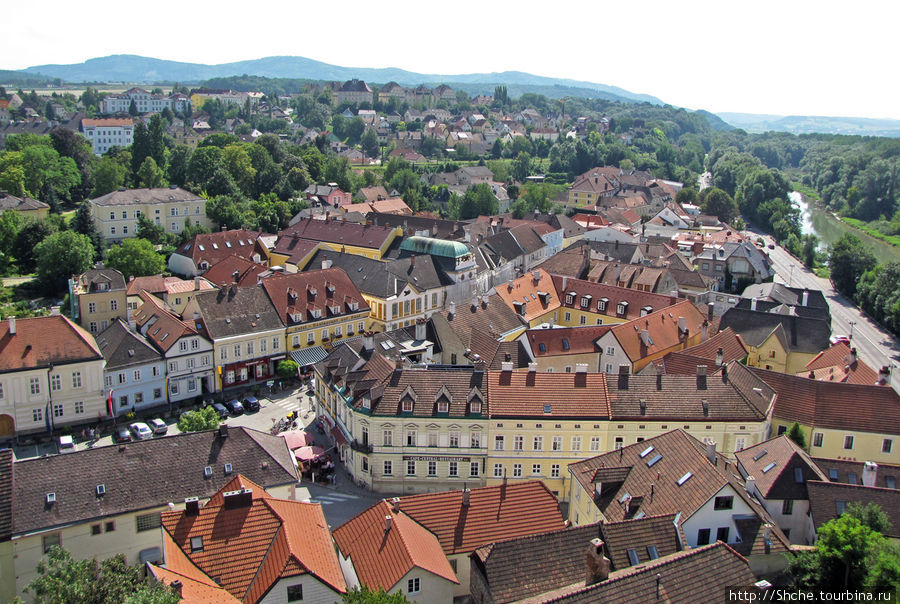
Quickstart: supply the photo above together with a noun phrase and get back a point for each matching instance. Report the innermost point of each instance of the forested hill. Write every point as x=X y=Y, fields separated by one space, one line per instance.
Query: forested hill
x=133 y=68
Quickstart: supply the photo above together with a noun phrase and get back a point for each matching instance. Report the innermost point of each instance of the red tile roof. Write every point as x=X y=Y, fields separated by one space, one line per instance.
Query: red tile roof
x=44 y=341
x=214 y=247
x=155 y=284
x=705 y=353
x=551 y=395
x=159 y=325
x=828 y=499
x=338 y=232
x=534 y=290
x=838 y=364
x=222 y=272
x=493 y=514
x=248 y=549
x=825 y=404
x=662 y=326
x=778 y=481
x=565 y=340
x=614 y=295
x=196 y=586
x=381 y=556
x=297 y=296
x=107 y=122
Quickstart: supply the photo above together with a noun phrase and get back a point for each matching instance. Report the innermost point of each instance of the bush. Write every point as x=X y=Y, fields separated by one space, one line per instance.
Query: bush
x=197 y=421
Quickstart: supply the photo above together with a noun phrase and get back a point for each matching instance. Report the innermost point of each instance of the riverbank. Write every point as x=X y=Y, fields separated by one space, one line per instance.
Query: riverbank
x=873 y=232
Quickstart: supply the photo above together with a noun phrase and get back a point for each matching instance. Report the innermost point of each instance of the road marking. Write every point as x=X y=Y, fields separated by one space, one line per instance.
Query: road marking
x=335 y=498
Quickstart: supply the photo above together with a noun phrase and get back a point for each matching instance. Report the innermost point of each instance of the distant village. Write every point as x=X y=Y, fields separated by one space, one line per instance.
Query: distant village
x=619 y=399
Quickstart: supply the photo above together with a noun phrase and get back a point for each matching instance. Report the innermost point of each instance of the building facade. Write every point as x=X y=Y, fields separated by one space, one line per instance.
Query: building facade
x=106 y=133
x=116 y=214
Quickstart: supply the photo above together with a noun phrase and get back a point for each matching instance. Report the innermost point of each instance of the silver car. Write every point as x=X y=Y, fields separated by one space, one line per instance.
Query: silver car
x=140 y=431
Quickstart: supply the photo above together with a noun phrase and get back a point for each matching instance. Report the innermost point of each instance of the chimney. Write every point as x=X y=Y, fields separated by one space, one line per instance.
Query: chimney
x=724 y=374
x=532 y=367
x=465 y=497
x=704 y=331
x=452 y=309
x=506 y=366
x=176 y=586
x=420 y=329
x=711 y=451
x=682 y=324
x=368 y=340
x=191 y=506
x=395 y=505
x=709 y=311
x=387 y=523
x=238 y=499
x=326 y=263
x=870 y=473
x=223 y=431
x=750 y=485
x=475 y=303
x=597 y=565
x=643 y=403
x=805 y=300
x=852 y=358
x=884 y=375
x=484 y=301
x=645 y=337
x=12 y=326
x=581 y=367
x=659 y=374
x=753 y=303
x=623 y=376
x=701 y=377
x=720 y=356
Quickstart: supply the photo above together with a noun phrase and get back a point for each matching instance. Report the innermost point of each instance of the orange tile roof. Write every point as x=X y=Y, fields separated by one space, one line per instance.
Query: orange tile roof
x=836 y=364
x=542 y=394
x=382 y=557
x=248 y=549
x=685 y=361
x=565 y=340
x=196 y=586
x=525 y=290
x=493 y=514
x=595 y=292
x=662 y=327
x=166 y=328
x=107 y=122
x=44 y=341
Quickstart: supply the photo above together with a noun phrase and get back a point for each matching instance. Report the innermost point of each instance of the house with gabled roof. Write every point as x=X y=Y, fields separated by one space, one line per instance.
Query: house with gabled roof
x=117 y=213
x=584 y=302
x=840 y=363
x=135 y=372
x=777 y=472
x=562 y=348
x=340 y=236
x=461 y=520
x=98 y=298
x=196 y=256
x=188 y=356
x=184 y=577
x=719 y=350
x=26 y=206
x=259 y=548
x=532 y=296
x=674 y=473
x=555 y=560
x=106 y=500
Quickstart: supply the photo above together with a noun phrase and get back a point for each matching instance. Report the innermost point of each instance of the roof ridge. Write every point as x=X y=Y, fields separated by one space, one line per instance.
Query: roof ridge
x=279 y=533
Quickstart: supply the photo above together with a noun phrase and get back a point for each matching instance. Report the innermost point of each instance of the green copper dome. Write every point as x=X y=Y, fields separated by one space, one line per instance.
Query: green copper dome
x=434 y=247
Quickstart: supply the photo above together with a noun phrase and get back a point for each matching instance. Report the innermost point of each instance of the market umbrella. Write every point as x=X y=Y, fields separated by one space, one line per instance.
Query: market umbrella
x=309 y=453
x=297 y=438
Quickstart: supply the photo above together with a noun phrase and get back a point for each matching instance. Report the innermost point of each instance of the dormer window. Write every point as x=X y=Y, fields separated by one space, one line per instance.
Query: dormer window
x=622 y=308
x=586 y=301
x=354 y=306
x=366 y=403
x=602 y=303
x=475 y=407
x=443 y=407
x=570 y=298
x=407 y=406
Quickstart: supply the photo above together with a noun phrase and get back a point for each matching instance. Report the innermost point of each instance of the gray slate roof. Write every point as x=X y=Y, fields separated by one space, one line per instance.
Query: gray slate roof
x=122 y=347
x=378 y=278
x=801 y=334
x=237 y=310
x=141 y=196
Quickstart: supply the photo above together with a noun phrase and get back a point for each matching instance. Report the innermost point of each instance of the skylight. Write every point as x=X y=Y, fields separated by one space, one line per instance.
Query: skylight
x=760 y=455
x=768 y=467
x=655 y=459
x=684 y=478
x=624 y=497
x=646 y=451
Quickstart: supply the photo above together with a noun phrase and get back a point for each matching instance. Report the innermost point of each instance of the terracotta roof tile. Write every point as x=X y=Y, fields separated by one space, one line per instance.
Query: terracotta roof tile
x=542 y=394
x=382 y=557
x=613 y=296
x=298 y=297
x=565 y=340
x=662 y=327
x=214 y=247
x=159 y=326
x=196 y=585
x=839 y=470
x=338 y=232
x=839 y=364
x=154 y=284
x=827 y=500
x=44 y=341
x=531 y=296
x=779 y=481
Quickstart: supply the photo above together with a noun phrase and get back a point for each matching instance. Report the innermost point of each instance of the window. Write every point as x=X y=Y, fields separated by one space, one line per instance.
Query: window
x=96 y=529
x=55 y=383
x=538 y=443
x=79 y=407
x=110 y=526
x=454 y=439
x=568 y=317
x=148 y=522
x=703 y=537
x=454 y=469
x=633 y=557
x=365 y=465
x=310 y=338
x=275 y=344
x=535 y=469
x=388 y=467
x=724 y=503
x=595 y=443
x=93 y=327
x=722 y=534
x=432 y=438
x=92 y=307
x=37 y=415
x=250 y=349
x=554 y=470
x=294 y=593
x=237 y=351
x=410 y=468
x=49 y=541
x=787 y=507
x=57 y=410
x=652 y=552
x=157 y=393
x=498 y=442
x=387 y=438
x=818 y=437
x=782 y=430
x=432 y=468
x=196 y=544
x=474 y=468
x=518 y=443
x=517 y=470
x=412 y=586
x=576 y=443
x=557 y=443
x=887 y=445
x=852 y=478
x=498 y=470
x=848 y=442
x=475 y=440
x=139 y=397
x=223 y=354
x=114 y=305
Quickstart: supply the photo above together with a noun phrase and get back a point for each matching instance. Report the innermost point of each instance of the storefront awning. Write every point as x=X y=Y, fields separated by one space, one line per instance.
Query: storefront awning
x=308 y=356
x=338 y=436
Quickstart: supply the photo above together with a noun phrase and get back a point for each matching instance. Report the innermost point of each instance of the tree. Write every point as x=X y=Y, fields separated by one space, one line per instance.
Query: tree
x=287 y=369
x=109 y=175
x=154 y=233
x=718 y=203
x=809 y=244
x=149 y=174
x=29 y=236
x=369 y=142
x=365 y=595
x=156 y=138
x=848 y=259
x=10 y=224
x=197 y=421
x=135 y=258
x=82 y=222
x=60 y=256
x=869 y=514
x=479 y=200
x=797 y=435
x=140 y=146
x=64 y=579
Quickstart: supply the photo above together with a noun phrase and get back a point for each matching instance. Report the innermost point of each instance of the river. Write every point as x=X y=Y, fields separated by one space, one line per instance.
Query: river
x=829 y=229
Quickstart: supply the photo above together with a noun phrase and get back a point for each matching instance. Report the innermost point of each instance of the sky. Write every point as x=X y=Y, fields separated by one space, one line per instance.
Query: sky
x=787 y=57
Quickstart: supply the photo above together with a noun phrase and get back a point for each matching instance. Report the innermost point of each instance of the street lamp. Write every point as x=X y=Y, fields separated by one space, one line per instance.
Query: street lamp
x=791 y=276
x=852 y=323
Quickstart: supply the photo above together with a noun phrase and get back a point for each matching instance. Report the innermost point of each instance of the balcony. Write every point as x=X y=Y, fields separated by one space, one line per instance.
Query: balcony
x=360 y=447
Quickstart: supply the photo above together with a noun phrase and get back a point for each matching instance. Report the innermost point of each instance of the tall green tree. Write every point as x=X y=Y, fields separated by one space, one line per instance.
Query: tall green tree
x=149 y=175
x=109 y=175
x=797 y=435
x=135 y=258
x=83 y=222
x=848 y=259
x=60 y=256
x=718 y=203
x=156 y=132
x=140 y=147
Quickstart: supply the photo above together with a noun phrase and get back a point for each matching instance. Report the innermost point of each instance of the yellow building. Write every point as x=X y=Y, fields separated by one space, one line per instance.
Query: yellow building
x=590 y=303
x=51 y=375
x=26 y=206
x=116 y=214
x=98 y=298
x=84 y=501
x=775 y=341
x=839 y=420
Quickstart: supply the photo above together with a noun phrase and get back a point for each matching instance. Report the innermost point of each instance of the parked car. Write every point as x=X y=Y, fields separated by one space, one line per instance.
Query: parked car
x=220 y=409
x=771 y=246
x=251 y=403
x=837 y=339
x=122 y=435
x=140 y=431
x=158 y=426
x=235 y=407
x=66 y=444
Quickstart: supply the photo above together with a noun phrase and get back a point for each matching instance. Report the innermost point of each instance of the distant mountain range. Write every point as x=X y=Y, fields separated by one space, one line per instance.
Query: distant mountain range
x=808 y=124
x=146 y=70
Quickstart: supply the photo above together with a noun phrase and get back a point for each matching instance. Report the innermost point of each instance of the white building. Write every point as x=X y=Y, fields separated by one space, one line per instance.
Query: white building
x=144 y=102
x=106 y=133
